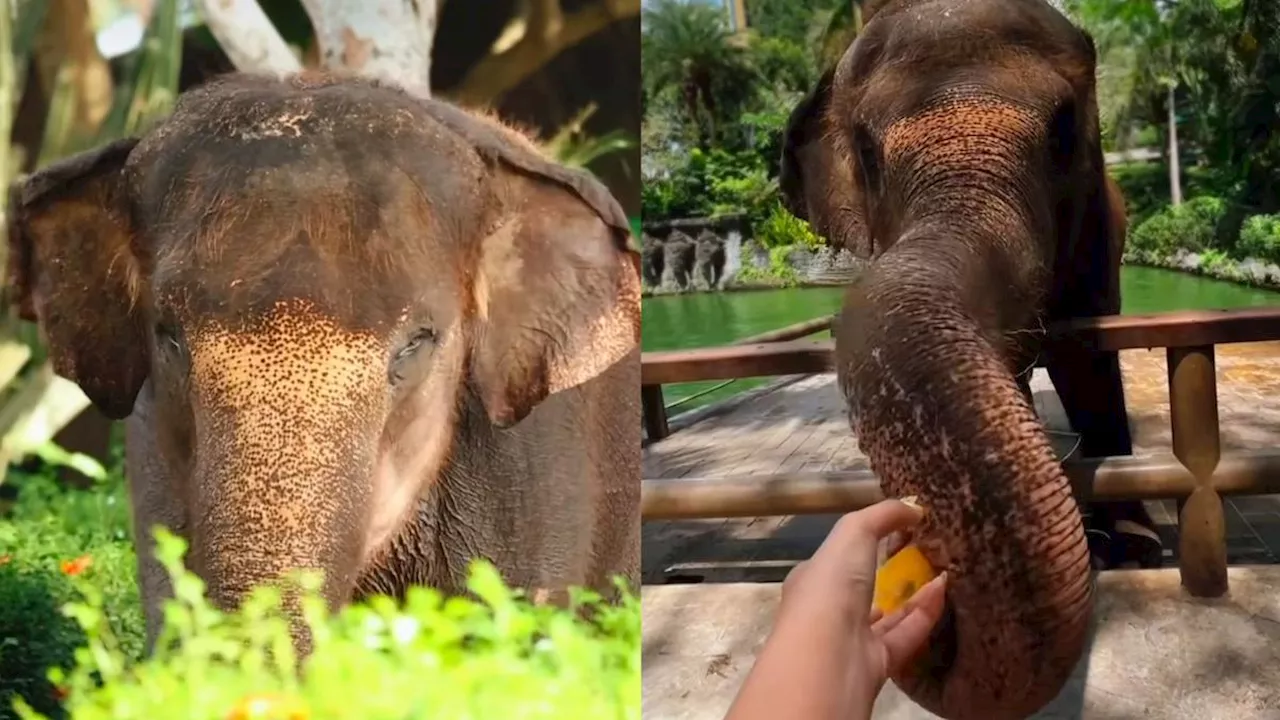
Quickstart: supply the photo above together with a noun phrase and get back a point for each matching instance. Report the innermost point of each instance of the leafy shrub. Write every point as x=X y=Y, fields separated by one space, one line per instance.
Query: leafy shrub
x=46 y=528
x=1191 y=226
x=1260 y=238
x=782 y=229
x=1145 y=187
x=716 y=182
x=499 y=656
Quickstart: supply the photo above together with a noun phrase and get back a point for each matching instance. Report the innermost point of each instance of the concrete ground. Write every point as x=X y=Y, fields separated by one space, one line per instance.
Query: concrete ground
x=1155 y=653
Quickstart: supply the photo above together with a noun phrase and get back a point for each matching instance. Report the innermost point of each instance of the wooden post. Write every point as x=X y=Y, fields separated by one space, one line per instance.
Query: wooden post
x=1193 y=412
x=655 y=412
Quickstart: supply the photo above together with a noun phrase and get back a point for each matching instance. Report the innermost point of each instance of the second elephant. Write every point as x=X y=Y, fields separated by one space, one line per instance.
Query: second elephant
x=956 y=145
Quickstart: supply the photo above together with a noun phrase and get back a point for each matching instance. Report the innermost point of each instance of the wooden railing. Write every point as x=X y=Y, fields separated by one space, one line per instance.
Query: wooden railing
x=1197 y=473
x=653 y=404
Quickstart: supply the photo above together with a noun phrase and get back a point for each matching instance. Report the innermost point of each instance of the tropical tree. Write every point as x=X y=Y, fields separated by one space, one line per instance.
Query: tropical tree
x=688 y=48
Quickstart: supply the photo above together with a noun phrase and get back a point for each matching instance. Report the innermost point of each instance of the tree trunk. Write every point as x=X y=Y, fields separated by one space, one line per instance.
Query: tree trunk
x=387 y=39
x=247 y=36
x=1175 y=172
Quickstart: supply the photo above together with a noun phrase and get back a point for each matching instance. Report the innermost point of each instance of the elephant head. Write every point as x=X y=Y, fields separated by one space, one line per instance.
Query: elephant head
x=304 y=279
x=956 y=145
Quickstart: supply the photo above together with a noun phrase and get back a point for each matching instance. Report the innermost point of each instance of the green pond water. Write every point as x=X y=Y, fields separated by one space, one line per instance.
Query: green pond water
x=673 y=322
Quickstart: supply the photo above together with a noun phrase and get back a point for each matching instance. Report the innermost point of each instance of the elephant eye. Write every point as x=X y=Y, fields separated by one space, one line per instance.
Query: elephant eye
x=168 y=336
x=414 y=344
x=868 y=158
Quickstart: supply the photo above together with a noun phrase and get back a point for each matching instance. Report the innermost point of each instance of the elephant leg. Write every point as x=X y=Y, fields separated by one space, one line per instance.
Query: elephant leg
x=1089 y=385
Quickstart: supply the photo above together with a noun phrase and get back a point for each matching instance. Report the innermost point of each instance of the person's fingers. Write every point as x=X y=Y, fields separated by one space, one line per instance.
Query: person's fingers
x=848 y=555
x=874 y=617
x=872 y=523
x=888 y=622
x=910 y=632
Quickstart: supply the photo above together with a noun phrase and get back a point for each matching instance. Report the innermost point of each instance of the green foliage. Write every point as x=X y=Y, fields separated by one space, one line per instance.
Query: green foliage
x=778 y=273
x=791 y=20
x=690 y=57
x=1260 y=238
x=496 y=656
x=1220 y=58
x=715 y=106
x=1191 y=226
x=1145 y=187
x=711 y=183
x=499 y=657
x=781 y=229
x=47 y=526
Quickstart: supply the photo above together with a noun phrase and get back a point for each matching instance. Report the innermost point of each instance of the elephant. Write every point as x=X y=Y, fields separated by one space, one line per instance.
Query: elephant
x=709 y=258
x=955 y=146
x=679 y=250
x=651 y=260
x=349 y=329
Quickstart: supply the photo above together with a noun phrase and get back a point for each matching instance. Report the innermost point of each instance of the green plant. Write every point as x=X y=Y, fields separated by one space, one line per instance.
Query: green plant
x=778 y=273
x=1191 y=226
x=49 y=526
x=1260 y=238
x=572 y=146
x=495 y=656
x=782 y=229
x=1211 y=260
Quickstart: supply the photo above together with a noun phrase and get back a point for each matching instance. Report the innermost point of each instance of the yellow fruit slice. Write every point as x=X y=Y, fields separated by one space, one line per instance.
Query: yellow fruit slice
x=900 y=577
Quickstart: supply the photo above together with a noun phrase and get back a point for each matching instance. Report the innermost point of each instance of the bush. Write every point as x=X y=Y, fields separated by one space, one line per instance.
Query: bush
x=711 y=183
x=49 y=527
x=1191 y=226
x=782 y=229
x=1145 y=187
x=499 y=656
x=1260 y=238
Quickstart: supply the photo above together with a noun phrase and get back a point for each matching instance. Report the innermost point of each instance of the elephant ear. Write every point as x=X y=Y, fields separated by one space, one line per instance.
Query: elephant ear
x=71 y=268
x=818 y=176
x=558 y=294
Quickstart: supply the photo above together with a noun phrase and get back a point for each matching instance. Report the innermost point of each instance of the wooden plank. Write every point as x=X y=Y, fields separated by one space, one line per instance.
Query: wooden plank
x=654 y=412
x=794 y=331
x=721 y=363
x=1187 y=328
x=1121 y=332
x=1128 y=478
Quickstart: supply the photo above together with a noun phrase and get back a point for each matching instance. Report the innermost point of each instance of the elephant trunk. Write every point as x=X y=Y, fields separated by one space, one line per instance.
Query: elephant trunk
x=936 y=408
x=285 y=456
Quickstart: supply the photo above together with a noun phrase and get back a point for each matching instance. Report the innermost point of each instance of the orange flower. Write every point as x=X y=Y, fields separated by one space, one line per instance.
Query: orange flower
x=6 y=559
x=267 y=706
x=76 y=566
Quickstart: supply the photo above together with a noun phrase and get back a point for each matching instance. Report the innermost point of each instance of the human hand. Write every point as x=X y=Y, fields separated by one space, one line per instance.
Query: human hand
x=834 y=588
x=828 y=654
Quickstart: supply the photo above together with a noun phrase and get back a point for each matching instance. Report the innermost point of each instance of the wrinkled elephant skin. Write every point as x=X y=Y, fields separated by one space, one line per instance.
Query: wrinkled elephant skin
x=352 y=330
x=956 y=145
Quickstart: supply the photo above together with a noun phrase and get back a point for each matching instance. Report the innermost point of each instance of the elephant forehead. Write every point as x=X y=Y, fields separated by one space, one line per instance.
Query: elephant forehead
x=960 y=128
x=289 y=361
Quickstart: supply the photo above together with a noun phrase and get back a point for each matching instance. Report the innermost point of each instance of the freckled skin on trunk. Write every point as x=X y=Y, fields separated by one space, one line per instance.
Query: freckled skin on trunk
x=920 y=374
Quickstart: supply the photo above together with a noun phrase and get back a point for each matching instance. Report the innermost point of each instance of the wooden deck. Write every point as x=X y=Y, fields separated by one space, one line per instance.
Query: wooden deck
x=801 y=427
